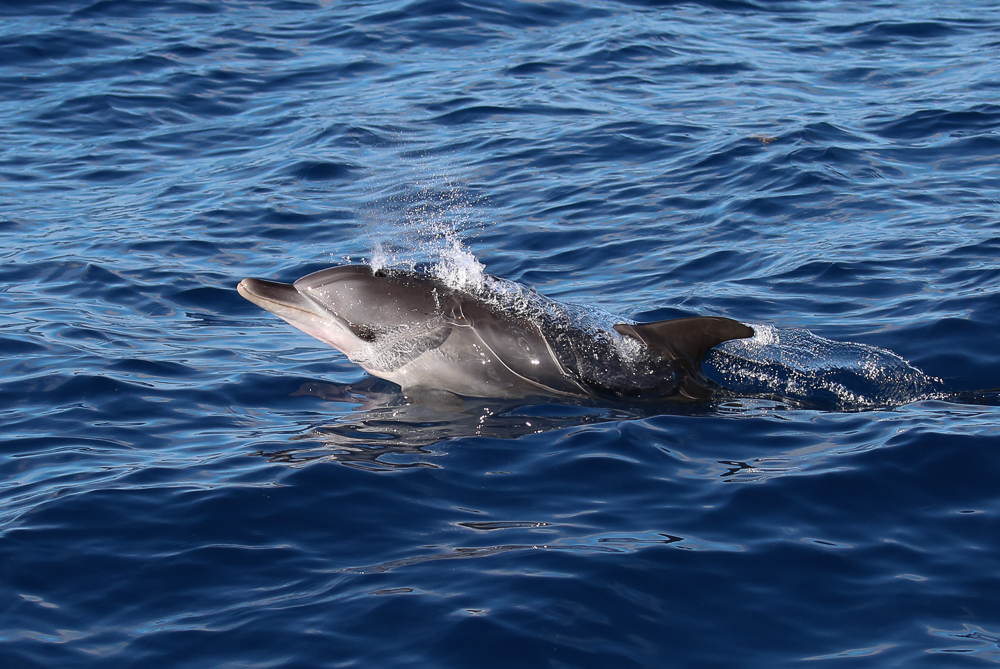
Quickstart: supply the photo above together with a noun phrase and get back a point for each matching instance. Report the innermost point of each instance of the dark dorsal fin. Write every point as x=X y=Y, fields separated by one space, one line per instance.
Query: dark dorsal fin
x=691 y=337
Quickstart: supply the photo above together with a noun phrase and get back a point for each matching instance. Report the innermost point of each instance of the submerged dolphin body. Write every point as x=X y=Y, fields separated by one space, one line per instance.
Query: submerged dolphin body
x=493 y=339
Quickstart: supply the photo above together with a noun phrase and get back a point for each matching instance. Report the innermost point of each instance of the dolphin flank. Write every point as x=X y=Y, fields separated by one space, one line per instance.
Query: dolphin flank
x=493 y=339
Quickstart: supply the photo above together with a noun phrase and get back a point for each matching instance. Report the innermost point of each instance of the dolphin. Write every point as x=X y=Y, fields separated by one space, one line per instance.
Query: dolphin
x=493 y=338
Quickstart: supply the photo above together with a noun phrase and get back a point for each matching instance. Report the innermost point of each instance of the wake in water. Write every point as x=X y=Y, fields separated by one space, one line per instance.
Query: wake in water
x=805 y=369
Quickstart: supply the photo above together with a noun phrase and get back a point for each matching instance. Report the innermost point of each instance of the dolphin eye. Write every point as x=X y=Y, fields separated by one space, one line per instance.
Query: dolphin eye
x=364 y=333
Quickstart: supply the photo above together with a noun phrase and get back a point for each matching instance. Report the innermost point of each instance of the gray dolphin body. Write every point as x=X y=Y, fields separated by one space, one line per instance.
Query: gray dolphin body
x=495 y=339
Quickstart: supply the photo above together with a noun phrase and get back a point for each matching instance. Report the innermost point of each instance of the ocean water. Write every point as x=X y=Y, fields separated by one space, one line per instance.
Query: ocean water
x=186 y=481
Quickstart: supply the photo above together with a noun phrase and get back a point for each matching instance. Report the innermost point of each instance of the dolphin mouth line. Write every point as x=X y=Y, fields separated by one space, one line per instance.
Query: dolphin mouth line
x=282 y=295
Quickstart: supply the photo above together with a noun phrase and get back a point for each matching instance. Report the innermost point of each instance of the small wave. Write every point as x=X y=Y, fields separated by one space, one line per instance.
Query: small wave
x=801 y=366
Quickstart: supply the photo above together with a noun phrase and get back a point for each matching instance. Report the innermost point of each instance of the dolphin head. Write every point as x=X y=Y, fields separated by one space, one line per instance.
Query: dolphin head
x=412 y=329
x=350 y=307
x=366 y=299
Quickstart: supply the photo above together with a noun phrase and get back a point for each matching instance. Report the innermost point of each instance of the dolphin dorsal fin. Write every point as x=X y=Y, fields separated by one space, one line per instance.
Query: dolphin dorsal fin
x=691 y=337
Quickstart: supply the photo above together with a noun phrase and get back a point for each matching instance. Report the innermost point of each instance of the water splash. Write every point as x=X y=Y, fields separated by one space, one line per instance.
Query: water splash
x=459 y=268
x=428 y=227
x=803 y=367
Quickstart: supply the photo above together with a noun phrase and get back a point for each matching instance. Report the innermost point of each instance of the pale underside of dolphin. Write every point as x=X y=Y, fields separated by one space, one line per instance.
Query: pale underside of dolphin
x=495 y=339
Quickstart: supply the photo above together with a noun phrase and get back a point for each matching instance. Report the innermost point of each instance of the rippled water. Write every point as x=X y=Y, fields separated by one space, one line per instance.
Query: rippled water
x=187 y=481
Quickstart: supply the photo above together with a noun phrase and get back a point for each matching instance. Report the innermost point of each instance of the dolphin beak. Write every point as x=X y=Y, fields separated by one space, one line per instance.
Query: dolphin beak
x=272 y=295
x=284 y=301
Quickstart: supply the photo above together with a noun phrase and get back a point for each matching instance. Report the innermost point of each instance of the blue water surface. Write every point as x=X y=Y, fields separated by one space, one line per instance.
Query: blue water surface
x=186 y=481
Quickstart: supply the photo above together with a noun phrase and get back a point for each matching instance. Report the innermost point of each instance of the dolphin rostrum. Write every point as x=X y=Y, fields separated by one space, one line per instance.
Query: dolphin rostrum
x=492 y=338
